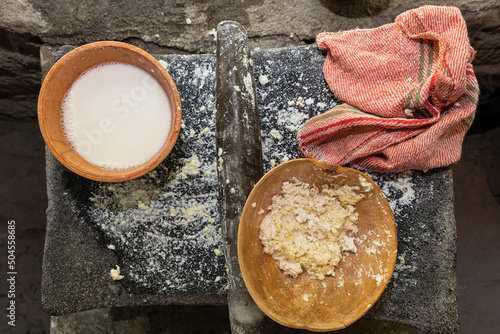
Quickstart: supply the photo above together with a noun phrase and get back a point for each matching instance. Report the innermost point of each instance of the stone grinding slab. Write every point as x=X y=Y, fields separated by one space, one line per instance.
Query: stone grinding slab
x=163 y=229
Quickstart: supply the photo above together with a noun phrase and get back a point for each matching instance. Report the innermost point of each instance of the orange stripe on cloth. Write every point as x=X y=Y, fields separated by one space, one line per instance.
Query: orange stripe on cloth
x=409 y=89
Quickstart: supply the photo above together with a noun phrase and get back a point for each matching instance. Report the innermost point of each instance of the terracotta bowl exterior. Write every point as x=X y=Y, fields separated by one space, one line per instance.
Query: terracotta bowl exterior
x=360 y=278
x=60 y=78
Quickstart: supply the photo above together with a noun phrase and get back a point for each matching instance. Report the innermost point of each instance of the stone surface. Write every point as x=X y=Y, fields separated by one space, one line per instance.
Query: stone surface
x=189 y=27
x=422 y=202
x=426 y=252
x=154 y=246
x=163 y=227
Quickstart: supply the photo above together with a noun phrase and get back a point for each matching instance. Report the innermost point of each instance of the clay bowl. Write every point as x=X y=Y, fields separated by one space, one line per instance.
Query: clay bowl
x=359 y=279
x=59 y=80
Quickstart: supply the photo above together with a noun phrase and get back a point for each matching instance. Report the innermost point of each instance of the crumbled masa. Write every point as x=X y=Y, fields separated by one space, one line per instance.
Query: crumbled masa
x=263 y=79
x=308 y=228
x=115 y=274
x=300 y=102
x=276 y=135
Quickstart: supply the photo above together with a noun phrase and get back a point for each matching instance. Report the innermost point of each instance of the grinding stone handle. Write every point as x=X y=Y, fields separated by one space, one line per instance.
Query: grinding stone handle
x=239 y=162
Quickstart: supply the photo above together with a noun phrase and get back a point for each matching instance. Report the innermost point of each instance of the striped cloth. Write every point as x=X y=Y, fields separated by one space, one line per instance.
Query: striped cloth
x=409 y=89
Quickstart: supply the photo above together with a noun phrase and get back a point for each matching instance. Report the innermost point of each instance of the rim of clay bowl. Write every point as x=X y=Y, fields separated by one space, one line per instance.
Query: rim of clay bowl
x=306 y=303
x=59 y=79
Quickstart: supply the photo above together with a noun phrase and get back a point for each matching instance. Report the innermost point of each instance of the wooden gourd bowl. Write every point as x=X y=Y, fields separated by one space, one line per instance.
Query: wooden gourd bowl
x=359 y=279
x=59 y=80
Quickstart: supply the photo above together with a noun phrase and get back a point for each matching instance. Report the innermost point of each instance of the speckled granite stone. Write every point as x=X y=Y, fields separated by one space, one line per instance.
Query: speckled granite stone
x=165 y=227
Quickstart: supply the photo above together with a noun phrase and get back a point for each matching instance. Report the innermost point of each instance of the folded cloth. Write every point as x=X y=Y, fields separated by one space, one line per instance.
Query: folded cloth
x=409 y=89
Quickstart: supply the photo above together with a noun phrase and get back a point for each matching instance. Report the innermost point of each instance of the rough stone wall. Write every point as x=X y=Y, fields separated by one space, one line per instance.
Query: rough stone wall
x=179 y=26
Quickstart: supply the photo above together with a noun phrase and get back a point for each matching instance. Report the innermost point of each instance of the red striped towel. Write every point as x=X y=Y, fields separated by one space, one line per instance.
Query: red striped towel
x=409 y=89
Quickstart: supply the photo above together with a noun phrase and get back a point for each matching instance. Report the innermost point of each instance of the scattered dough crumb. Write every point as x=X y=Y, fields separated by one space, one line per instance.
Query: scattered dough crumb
x=263 y=79
x=365 y=183
x=276 y=134
x=112 y=247
x=142 y=206
x=254 y=205
x=300 y=102
x=409 y=112
x=213 y=33
x=188 y=21
x=115 y=274
x=205 y=130
x=192 y=166
x=221 y=162
x=291 y=103
x=378 y=278
x=217 y=252
x=371 y=250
